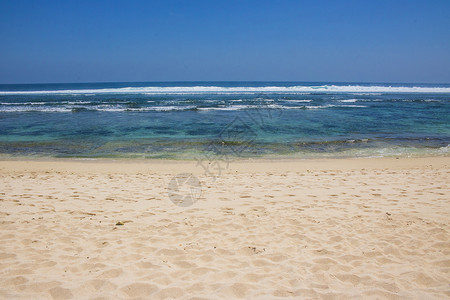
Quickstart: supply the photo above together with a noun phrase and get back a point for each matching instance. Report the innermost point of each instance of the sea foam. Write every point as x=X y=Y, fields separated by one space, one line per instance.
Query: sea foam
x=152 y=90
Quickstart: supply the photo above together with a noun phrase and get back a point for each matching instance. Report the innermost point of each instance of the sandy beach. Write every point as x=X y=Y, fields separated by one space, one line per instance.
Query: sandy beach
x=373 y=228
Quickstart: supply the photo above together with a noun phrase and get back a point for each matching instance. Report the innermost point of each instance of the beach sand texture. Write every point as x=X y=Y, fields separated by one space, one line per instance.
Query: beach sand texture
x=306 y=229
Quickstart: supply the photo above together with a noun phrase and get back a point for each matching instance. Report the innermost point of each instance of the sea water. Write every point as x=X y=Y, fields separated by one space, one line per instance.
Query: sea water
x=226 y=120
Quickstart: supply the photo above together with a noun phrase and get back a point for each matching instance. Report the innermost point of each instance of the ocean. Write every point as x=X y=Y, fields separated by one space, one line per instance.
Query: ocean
x=223 y=120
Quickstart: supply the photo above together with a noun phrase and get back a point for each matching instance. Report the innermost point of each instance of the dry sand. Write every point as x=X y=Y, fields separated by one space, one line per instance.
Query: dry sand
x=354 y=228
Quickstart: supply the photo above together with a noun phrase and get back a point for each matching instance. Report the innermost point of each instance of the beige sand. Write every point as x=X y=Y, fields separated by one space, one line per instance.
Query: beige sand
x=372 y=228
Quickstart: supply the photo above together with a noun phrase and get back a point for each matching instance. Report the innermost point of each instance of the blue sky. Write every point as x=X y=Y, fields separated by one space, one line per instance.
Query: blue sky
x=96 y=41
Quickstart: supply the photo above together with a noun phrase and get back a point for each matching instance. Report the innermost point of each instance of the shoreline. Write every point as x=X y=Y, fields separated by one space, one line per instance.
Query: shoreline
x=257 y=164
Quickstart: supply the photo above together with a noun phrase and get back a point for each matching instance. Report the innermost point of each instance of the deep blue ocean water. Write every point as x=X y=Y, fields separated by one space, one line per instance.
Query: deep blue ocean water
x=188 y=120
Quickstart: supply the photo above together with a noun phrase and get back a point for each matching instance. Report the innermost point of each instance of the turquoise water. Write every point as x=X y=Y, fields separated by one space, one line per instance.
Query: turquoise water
x=188 y=120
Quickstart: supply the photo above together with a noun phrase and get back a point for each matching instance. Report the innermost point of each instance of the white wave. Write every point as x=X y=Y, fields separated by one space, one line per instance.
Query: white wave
x=120 y=108
x=110 y=109
x=35 y=109
x=168 y=108
x=275 y=106
x=78 y=102
x=232 y=107
x=348 y=100
x=320 y=106
x=297 y=101
x=242 y=107
x=445 y=149
x=102 y=108
x=152 y=90
x=332 y=105
x=154 y=108
x=23 y=103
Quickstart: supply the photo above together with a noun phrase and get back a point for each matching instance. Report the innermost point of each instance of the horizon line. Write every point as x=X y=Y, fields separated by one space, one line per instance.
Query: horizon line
x=227 y=81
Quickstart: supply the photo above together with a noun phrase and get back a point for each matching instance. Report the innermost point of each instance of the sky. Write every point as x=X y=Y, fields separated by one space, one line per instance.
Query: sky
x=280 y=40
